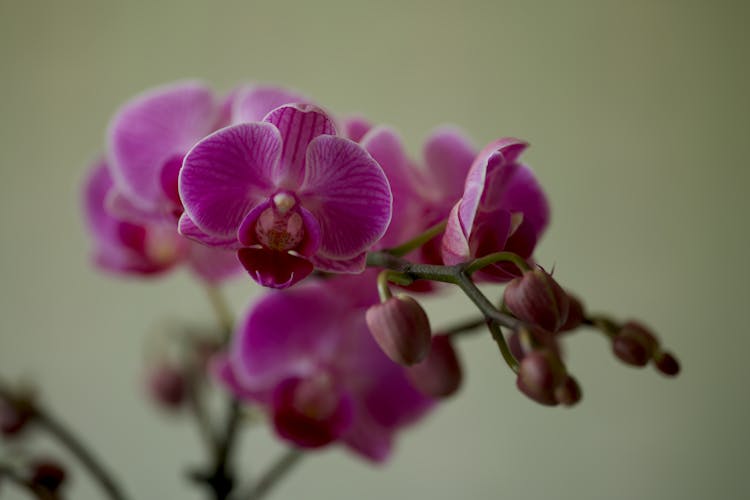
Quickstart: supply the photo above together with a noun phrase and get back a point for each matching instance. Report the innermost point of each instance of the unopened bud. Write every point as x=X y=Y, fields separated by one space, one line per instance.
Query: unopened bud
x=634 y=344
x=575 y=314
x=539 y=374
x=531 y=338
x=569 y=392
x=667 y=364
x=401 y=328
x=440 y=374
x=167 y=386
x=14 y=415
x=537 y=299
x=47 y=474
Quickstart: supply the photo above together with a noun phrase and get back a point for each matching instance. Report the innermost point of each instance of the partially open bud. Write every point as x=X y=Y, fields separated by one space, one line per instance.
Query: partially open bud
x=167 y=386
x=537 y=299
x=14 y=415
x=634 y=344
x=575 y=314
x=667 y=364
x=401 y=328
x=440 y=374
x=47 y=474
x=539 y=375
x=569 y=392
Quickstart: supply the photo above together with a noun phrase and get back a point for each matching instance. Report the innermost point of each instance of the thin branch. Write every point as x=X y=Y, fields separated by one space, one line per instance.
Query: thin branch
x=273 y=475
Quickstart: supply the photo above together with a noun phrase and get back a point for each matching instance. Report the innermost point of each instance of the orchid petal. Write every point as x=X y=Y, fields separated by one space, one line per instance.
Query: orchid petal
x=299 y=125
x=348 y=193
x=274 y=269
x=228 y=173
x=153 y=127
x=188 y=229
x=448 y=154
x=253 y=103
x=211 y=264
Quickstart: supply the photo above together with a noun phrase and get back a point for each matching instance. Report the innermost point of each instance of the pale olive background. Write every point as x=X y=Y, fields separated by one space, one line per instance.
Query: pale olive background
x=638 y=116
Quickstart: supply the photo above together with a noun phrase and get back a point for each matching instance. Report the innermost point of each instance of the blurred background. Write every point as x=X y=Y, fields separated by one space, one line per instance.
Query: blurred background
x=639 y=117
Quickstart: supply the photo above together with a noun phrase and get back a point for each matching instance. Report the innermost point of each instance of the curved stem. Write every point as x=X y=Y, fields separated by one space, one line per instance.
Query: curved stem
x=494 y=258
x=80 y=451
x=271 y=477
x=419 y=240
x=462 y=328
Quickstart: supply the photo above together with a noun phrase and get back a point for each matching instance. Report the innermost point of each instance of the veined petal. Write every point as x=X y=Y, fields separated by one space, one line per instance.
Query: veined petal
x=188 y=229
x=153 y=127
x=228 y=173
x=348 y=193
x=254 y=102
x=299 y=125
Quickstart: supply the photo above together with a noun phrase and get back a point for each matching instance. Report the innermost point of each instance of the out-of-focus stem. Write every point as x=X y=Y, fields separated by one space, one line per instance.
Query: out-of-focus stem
x=222 y=311
x=271 y=477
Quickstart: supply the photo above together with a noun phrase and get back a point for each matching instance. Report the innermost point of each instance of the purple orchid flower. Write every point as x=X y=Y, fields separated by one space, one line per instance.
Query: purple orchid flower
x=306 y=356
x=148 y=139
x=148 y=246
x=503 y=208
x=286 y=193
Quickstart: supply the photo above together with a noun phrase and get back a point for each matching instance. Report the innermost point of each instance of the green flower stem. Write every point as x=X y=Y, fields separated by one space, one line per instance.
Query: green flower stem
x=418 y=241
x=604 y=324
x=394 y=277
x=462 y=328
x=456 y=275
x=494 y=258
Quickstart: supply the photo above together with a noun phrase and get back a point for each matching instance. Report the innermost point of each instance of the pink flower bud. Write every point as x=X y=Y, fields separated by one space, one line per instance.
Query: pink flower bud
x=536 y=298
x=569 y=392
x=532 y=338
x=440 y=374
x=667 y=364
x=401 y=328
x=540 y=374
x=167 y=386
x=634 y=344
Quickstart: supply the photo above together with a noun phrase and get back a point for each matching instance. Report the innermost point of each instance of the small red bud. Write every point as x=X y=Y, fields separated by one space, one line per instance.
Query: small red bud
x=440 y=374
x=528 y=339
x=47 y=474
x=634 y=344
x=167 y=386
x=569 y=392
x=401 y=328
x=667 y=364
x=537 y=299
x=539 y=374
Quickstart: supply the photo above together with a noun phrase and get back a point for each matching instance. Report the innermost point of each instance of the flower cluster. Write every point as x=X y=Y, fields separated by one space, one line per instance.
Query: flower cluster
x=305 y=202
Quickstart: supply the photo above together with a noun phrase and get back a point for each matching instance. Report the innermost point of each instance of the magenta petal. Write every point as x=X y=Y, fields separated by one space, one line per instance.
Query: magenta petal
x=524 y=194
x=253 y=103
x=310 y=413
x=355 y=127
x=348 y=193
x=448 y=154
x=274 y=269
x=352 y=265
x=370 y=440
x=222 y=370
x=386 y=148
x=228 y=173
x=153 y=127
x=286 y=333
x=212 y=265
x=188 y=229
x=298 y=125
